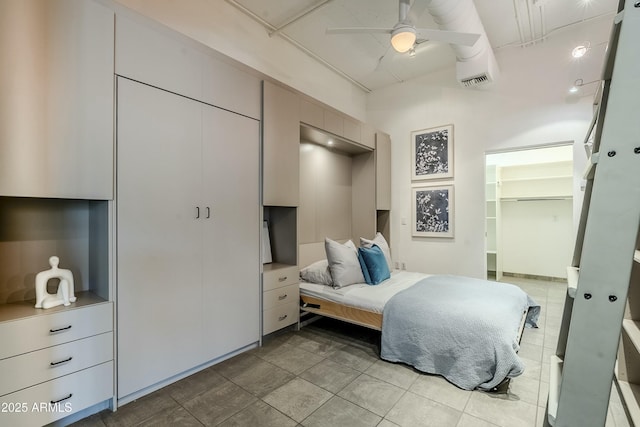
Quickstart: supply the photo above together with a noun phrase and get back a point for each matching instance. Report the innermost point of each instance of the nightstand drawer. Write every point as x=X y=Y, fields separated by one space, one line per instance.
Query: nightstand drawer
x=56 y=399
x=280 y=277
x=43 y=365
x=279 y=317
x=280 y=296
x=38 y=332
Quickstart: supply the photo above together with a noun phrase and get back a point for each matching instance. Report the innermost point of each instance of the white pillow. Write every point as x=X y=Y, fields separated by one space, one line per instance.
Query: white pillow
x=318 y=272
x=381 y=242
x=343 y=263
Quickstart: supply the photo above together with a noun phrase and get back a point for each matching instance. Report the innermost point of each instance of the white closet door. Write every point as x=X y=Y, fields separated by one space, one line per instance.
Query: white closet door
x=231 y=168
x=158 y=237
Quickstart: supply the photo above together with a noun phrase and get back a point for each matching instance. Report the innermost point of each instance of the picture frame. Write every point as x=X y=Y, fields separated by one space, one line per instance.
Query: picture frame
x=432 y=153
x=433 y=211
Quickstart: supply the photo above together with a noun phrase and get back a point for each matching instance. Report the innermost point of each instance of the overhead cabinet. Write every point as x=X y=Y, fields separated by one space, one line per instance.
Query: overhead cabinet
x=188 y=234
x=56 y=114
x=281 y=140
x=150 y=53
x=315 y=115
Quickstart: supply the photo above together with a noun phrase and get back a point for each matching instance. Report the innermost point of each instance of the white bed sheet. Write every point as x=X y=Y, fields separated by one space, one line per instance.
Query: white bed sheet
x=363 y=296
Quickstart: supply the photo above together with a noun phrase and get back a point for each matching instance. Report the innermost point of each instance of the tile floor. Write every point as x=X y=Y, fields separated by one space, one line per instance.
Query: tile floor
x=329 y=374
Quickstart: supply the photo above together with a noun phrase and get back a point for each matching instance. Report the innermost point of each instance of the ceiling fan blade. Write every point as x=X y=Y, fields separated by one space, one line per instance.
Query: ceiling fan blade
x=453 y=37
x=359 y=30
x=417 y=9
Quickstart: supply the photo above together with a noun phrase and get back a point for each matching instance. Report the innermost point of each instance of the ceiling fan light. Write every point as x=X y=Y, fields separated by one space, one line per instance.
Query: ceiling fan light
x=403 y=39
x=580 y=51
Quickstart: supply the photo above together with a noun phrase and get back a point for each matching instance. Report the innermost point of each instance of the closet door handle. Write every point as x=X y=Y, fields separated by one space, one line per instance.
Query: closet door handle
x=53 y=331
x=197 y=212
x=208 y=212
x=61 y=362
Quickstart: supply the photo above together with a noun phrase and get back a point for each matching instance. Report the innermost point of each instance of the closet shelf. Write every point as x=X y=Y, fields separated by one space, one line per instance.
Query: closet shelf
x=534 y=198
x=536 y=178
x=573 y=273
x=632 y=328
x=555 y=379
x=23 y=309
x=629 y=394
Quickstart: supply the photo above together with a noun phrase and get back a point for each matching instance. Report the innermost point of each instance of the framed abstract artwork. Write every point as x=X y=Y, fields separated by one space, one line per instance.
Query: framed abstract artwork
x=432 y=153
x=432 y=210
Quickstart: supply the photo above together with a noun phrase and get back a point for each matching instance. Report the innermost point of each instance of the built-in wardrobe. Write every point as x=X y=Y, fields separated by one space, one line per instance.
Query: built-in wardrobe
x=188 y=208
x=134 y=154
x=56 y=199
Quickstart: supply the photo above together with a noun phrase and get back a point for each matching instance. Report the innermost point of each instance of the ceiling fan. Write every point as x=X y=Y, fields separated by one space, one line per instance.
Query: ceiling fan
x=404 y=33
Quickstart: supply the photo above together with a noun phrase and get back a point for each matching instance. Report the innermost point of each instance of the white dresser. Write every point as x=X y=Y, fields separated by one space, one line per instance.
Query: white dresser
x=55 y=362
x=280 y=297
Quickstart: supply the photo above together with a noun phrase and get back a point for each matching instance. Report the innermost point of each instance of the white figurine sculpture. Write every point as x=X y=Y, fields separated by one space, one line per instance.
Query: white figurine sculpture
x=65 y=294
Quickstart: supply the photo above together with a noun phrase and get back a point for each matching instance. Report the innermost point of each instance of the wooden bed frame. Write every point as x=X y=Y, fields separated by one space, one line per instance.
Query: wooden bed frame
x=346 y=313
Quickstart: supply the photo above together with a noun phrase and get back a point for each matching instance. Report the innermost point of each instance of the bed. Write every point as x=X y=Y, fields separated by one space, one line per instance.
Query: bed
x=467 y=330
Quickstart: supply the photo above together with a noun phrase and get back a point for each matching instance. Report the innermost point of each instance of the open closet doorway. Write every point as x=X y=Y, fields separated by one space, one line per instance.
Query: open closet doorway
x=529 y=212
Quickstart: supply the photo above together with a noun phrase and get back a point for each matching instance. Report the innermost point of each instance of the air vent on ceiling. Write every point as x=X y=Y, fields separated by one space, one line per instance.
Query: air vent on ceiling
x=481 y=70
x=475 y=81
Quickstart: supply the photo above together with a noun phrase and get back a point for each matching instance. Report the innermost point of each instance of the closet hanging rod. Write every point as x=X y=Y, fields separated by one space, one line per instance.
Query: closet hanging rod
x=534 y=199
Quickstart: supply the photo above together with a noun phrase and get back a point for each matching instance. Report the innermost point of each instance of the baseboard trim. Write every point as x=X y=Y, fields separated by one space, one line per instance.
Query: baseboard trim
x=535 y=277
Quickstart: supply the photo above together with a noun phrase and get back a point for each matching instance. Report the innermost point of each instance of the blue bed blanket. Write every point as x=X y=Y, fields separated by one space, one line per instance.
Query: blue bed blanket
x=462 y=328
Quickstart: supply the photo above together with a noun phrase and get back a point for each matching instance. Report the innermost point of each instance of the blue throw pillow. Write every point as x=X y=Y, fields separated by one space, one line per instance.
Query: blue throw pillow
x=365 y=270
x=376 y=264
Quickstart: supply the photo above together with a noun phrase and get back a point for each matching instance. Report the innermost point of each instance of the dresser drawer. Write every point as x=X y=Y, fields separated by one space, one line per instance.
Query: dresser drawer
x=281 y=296
x=39 y=366
x=38 y=332
x=280 y=277
x=279 y=317
x=56 y=399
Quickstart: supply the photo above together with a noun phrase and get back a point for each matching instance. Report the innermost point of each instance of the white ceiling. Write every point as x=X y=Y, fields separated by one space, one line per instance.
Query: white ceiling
x=368 y=60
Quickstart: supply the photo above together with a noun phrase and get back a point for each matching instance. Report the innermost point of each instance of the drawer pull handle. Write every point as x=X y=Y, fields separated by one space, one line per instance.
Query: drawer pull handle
x=53 y=331
x=282 y=279
x=53 y=402
x=281 y=318
x=281 y=297
x=61 y=362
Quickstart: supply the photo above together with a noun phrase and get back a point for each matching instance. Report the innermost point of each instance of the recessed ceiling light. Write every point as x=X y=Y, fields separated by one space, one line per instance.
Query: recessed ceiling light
x=580 y=50
x=330 y=142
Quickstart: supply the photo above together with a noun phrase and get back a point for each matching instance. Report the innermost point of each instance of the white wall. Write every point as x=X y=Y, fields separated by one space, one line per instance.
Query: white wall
x=537 y=237
x=220 y=26
x=528 y=106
